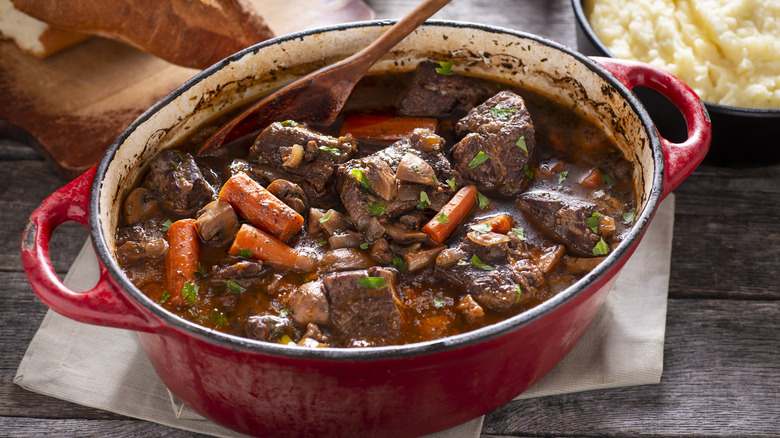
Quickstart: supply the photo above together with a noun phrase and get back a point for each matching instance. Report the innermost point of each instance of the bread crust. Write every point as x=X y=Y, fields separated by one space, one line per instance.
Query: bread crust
x=190 y=33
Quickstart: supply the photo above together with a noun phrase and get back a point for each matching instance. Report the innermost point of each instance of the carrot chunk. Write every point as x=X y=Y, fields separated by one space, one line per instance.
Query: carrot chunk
x=500 y=223
x=257 y=244
x=264 y=210
x=385 y=128
x=444 y=223
x=181 y=261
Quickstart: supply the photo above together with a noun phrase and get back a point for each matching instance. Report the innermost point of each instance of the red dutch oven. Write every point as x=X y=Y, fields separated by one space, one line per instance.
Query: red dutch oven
x=267 y=389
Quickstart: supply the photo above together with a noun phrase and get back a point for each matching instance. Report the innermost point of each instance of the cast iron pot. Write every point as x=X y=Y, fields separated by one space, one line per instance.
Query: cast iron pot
x=741 y=136
x=269 y=389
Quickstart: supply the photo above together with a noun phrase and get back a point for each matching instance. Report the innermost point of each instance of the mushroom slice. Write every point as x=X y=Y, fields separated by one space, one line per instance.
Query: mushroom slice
x=217 y=222
x=345 y=259
x=291 y=194
x=403 y=235
x=421 y=258
x=415 y=170
x=139 y=205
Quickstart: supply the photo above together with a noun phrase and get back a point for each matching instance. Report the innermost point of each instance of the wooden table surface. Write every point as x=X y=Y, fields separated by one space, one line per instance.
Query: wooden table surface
x=721 y=372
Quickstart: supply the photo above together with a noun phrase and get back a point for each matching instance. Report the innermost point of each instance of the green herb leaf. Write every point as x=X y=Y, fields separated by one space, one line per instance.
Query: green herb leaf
x=372 y=282
x=438 y=303
x=521 y=144
x=593 y=222
x=324 y=219
x=165 y=297
x=452 y=184
x=415 y=168
x=463 y=263
x=478 y=159
x=478 y=263
x=178 y=154
x=361 y=177
x=519 y=232
x=290 y=123
x=442 y=218
x=245 y=253
x=518 y=292
x=528 y=172
x=284 y=313
x=607 y=180
x=218 y=318
x=400 y=264
x=425 y=201
x=377 y=208
x=445 y=68
x=482 y=201
x=502 y=112
x=176 y=165
x=364 y=245
x=330 y=150
x=601 y=248
x=319 y=244
x=484 y=227
x=190 y=293
x=235 y=287
x=200 y=275
x=166 y=225
x=562 y=176
x=628 y=217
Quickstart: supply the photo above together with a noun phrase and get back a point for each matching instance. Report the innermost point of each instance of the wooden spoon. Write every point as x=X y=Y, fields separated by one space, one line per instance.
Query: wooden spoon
x=317 y=98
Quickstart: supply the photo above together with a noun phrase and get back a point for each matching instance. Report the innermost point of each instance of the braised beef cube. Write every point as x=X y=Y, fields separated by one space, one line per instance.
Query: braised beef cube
x=308 y=304
x=269 y=328
x=178 y=183
x=314 y=332
x=235 y=277
x=498 y=144
x=490 y=247
x=274 y=145
x=435 y=94
x=470 y=310
x=498 y=289
x=364 y=305
x=141 y=242
x=562 y=218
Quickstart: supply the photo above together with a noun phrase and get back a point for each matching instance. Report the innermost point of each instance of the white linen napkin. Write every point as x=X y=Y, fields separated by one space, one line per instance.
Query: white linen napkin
x=107 y=368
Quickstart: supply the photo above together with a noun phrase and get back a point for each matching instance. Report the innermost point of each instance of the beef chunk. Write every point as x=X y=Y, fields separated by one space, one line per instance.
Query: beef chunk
x=269 y=328
x=434 y=94
x=178 y=183
x=308 y=304
x=141 y=242
x=369 y=313
x=322 y=153
x=244 y=273
x=470 y=310
x=490 y=247
x=562 y=218
x=502 y=131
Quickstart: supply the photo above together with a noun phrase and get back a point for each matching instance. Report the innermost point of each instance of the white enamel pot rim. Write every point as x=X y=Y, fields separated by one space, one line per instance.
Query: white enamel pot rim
x=176 y=323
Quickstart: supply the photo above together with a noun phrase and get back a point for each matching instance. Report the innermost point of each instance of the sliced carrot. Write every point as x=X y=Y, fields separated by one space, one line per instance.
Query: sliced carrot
x=592 y=180
x=444 y=223
x=264 y=210
x=500 y=223
x=385 y=128
x=254 y=243
x=181 y=261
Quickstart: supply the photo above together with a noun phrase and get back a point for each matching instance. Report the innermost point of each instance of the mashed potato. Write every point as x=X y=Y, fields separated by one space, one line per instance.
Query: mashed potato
x=728 y=51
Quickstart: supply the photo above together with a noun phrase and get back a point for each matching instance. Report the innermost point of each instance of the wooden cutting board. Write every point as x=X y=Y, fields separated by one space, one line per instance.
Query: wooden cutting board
x=72 y=105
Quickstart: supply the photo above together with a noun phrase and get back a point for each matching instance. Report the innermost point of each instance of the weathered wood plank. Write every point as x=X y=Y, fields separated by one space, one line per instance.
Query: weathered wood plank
x=721 y=378
x=69 y=428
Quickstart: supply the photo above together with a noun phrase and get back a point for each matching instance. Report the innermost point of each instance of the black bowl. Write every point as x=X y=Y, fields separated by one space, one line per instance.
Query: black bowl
x=740 y=136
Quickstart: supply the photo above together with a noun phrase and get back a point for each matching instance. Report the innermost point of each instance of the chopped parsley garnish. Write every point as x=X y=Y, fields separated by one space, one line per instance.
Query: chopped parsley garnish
x=218 y=318
x=442 y=218
x=364 y=245
x=235 y=287
x=478 y=159
x=178 y=154
x=376 y=208
x=290 y=123
x=319 y=244
x=484 y=227
x=165 y=297
x=445 y=68
x=593 y=222
x=482 y=201
x=607 y=179
x=200 y=274
x=601 y=248
x=521 y=144
x=324 y=219
x=502 y=112
x=166 y=225
x=519 y=232
x=372 y=282
x=562 y=176
x=438 y=303
x=528 y=172
x=245 y=253
x=463 y=263
x=361 y=177
x=518 y=292
x=189 y=292
x=176 y=165
x=425 y=201
x=284 y=313
x=415 y=168
x=400 y=264
x=452 y=184
x=629 y=216
x=478 y=263
x=330 y=150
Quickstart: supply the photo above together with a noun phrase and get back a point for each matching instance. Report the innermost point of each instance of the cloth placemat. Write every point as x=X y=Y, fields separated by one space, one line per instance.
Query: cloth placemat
x=107 y=368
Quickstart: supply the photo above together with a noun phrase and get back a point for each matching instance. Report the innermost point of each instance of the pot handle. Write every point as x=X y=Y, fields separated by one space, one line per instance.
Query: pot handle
x=105 y=304
x=680 y=159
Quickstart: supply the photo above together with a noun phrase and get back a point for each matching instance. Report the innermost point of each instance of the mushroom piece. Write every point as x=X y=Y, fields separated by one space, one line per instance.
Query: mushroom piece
x=217 y=223
x=403 y=235
x=380 y=252
x=419 y=259
x=333 y=222
x=490 y=247
x=308 y=304
x=291 y=194
x=381 y=179
x=345 y=259
x=470 y=310
x=139 y=205
x=347 y=239
x=414 y=169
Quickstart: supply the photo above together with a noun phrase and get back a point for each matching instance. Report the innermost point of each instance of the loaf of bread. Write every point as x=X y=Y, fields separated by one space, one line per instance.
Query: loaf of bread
x=34 y=36
x=190 y=33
